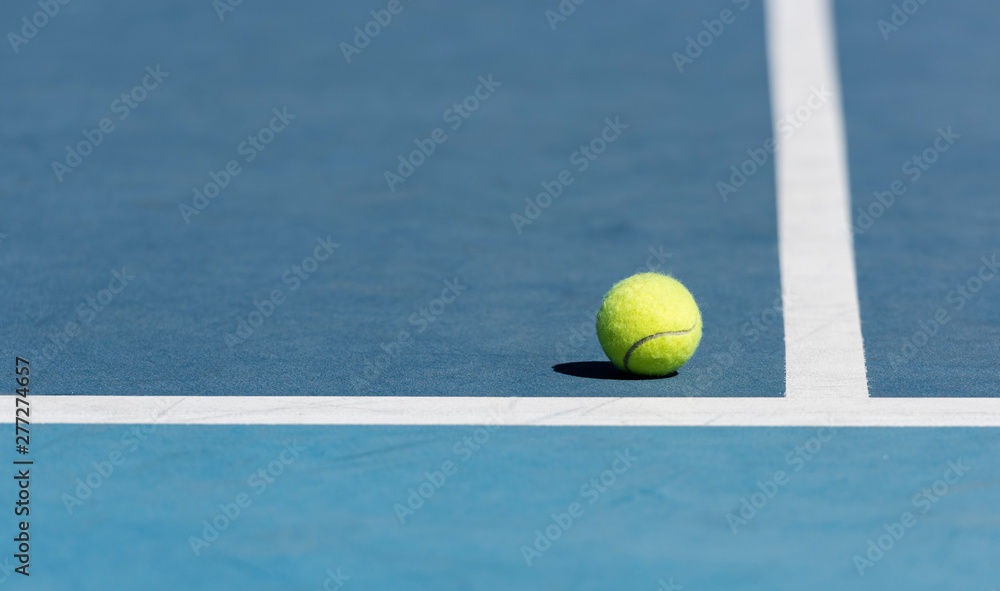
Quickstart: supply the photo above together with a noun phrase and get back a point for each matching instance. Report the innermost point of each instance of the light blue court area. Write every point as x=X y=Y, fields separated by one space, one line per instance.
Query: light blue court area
x=438 y=214
x=632 y=507
x=923 y=130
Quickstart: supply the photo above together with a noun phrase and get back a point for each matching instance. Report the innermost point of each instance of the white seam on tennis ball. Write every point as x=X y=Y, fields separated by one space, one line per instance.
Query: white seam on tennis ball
x=651 y=337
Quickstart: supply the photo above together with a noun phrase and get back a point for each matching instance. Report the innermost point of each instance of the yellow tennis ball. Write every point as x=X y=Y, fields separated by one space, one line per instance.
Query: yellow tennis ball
x=649 y=324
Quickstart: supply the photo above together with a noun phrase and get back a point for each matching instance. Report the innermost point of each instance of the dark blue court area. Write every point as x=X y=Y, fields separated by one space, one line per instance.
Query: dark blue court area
x=560 y=162
x=922 y=131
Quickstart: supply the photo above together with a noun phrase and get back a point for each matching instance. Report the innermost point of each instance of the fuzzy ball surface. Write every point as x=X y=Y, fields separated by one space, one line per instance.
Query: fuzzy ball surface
x=649 y=324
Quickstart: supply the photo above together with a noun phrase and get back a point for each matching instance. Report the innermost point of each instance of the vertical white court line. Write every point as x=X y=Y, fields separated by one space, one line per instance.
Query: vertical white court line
x=824 y=350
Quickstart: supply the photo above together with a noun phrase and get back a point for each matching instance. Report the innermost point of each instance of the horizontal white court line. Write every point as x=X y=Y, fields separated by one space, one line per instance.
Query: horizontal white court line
x=824 y=349
x=549 y=411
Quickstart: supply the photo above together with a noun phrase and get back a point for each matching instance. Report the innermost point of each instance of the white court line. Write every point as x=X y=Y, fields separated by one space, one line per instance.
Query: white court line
x=477 y=410
x=824 y=350
x=826 y=379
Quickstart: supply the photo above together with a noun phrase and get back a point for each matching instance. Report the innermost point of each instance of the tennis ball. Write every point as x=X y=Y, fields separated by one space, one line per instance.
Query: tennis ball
x=649 y=324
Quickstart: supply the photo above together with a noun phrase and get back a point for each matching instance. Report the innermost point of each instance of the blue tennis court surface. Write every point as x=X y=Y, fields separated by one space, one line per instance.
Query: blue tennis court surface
x=921 y=123
x=308 y=293
x=519 y=290
x=334 y=505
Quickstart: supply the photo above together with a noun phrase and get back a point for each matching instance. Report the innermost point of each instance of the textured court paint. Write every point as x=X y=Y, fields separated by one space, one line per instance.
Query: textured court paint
x=664 y=517
x=936 y=71
x=825 y=356
x=651 y=198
